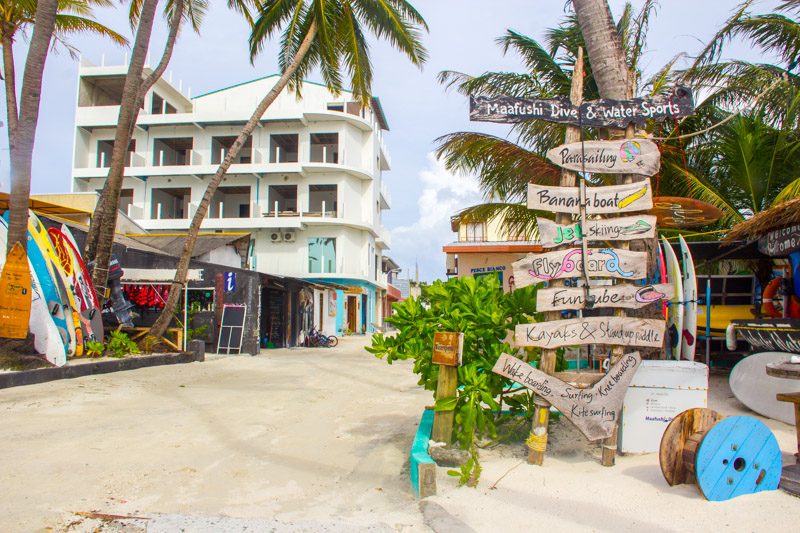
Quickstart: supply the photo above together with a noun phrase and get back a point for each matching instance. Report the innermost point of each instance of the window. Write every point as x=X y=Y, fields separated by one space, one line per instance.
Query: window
x=170 y=203
x=475 y=232
x=285 y=196
x=106 y=148
x=283 y=148
x=125 y=200
x=100 y=91
x=228 y=202
x=172 y=151
x=324 y=148
x=322 y=200
x=221 y=145
x=336 y=107
x=161 y=106
x=321 y=255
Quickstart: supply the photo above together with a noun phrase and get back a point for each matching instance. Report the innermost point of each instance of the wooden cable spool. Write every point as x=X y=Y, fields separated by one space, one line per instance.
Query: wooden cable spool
x=726 y=457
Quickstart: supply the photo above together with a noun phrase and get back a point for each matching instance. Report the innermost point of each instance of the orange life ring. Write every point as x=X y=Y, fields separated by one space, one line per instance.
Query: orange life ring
x=767 y=302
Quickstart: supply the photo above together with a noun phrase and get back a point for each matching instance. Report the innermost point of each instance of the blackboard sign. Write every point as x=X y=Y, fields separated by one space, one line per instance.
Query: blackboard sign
x=231 y=330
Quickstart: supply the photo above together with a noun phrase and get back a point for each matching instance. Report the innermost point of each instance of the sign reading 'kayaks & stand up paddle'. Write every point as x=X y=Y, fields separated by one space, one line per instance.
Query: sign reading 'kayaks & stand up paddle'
x=623 y=331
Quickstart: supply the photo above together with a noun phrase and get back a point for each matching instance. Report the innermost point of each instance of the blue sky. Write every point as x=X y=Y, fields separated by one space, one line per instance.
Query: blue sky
x=418 y=109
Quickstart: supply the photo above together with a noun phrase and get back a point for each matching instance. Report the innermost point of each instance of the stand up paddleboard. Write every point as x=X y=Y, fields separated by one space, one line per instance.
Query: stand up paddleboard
x=675 y=309
x=689 y=335
x=753 y=387
x=662 y=278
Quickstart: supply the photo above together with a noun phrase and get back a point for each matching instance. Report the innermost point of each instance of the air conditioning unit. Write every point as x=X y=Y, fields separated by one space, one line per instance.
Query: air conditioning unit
x=276 y=236
x=289 y=236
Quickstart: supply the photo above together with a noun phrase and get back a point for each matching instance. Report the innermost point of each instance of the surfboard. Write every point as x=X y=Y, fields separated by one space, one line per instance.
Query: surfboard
x=689 y=335
x=46 y=338
x=96 y=313
x=662 y=277
x=754 y=388
x=675 y=309
x=15 y=293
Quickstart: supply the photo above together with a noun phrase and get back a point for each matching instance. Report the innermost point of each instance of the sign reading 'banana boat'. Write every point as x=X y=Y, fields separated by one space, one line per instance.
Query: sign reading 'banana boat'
x=611 y=229
x=606 y=199
x=626 y=156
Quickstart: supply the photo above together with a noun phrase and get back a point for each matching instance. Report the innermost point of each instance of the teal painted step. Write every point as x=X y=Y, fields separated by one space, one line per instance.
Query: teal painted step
x=419 y=449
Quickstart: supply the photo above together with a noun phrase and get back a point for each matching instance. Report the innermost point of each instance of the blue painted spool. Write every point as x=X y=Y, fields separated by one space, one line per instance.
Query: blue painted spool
x=738 y=455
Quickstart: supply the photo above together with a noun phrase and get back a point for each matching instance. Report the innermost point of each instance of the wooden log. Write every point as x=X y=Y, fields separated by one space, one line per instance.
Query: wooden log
x=594 y=410
x=620 y=156
x=625 y=296
x=607 y=262
x=610 y=199
x=679 y=432
x=443 y=420
x=592 y=330
x=604 y=229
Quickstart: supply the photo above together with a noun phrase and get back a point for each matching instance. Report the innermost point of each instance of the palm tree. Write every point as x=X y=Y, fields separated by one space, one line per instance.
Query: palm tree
x=324 y=34
x=100 y=238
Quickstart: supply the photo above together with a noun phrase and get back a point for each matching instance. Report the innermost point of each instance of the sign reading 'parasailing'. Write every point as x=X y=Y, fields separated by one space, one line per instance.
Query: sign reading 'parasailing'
x=626 y=156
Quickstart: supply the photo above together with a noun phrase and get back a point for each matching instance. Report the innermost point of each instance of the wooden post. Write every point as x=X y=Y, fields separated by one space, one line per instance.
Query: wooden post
x=537 y=442
x=443 y=420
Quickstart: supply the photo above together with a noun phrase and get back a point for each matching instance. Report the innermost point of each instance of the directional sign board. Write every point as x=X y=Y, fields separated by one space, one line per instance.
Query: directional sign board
x=626 y=156
x=624 y=331
x=627 y=296
x=602 y=113
x=594 y=410
x=606 y=199
x=610 y=229
x=611 y=262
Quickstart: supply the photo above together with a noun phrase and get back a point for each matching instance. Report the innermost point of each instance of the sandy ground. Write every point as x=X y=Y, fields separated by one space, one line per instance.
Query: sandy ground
x=315 y=440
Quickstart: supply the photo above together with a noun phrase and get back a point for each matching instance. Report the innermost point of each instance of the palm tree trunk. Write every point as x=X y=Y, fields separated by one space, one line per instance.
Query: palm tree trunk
x=163 y=320
x=604 y=47
x=21 y=147
x=10 y=79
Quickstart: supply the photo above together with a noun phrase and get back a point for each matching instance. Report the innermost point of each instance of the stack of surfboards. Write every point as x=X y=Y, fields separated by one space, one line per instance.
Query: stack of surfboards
x=65 y=312
x=682 y=312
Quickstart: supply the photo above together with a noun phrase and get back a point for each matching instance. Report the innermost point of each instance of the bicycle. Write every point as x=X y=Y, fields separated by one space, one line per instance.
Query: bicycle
x=317 y=338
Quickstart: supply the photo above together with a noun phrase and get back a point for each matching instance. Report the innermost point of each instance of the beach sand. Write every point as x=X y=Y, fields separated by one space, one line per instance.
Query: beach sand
x=316 y=440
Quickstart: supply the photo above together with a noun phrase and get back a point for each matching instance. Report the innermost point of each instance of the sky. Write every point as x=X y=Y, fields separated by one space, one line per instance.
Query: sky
x=418 y=109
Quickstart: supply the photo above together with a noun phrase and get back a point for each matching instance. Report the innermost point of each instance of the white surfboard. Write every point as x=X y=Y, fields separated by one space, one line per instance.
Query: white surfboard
x=753 y=387
x=689 y=335
x=675 y=310
x=46 y=338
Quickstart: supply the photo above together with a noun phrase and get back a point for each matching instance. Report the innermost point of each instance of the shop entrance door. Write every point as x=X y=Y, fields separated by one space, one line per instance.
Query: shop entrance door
x=352 y=313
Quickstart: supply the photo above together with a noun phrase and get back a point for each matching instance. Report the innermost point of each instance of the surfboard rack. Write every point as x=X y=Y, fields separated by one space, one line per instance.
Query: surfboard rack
x=725 y=457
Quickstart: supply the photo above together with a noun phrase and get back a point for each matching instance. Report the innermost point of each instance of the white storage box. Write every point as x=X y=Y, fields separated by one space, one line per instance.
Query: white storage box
x=658 y=392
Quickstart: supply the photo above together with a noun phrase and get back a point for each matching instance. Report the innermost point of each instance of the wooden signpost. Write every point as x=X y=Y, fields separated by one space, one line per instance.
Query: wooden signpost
x=447 y=353
x=627 y=296
x=569 y=263
x=603 y=112
x=623 y=156
x=595 y=410
x=611 y=199
x=621 y=331
x=604 y=229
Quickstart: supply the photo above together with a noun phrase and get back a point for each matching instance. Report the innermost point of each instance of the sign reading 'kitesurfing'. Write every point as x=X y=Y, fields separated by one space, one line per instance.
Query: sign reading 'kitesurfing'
x=603 y=112
x=627 y=296
x=608 y=199
x=626 y=156
x=611 y=229
x=535 y=268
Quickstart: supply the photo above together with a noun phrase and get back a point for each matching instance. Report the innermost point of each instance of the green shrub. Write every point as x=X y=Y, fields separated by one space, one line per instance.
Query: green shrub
x=121 y=345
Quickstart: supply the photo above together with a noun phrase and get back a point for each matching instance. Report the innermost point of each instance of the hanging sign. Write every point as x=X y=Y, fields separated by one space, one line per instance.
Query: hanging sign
x=599 y=200
x=230 y=281
x=621 y=331
x=608 y=229
x=594 y=410
x=626 y=296
x=603 y=112
x=447 y=348
x=780 y=242
x=611 y=262
x=626 y=156
x=676 y=212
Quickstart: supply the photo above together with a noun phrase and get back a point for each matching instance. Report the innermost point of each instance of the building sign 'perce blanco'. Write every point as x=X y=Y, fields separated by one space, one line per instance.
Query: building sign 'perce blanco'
x=592 y=330
x=611 y=262
x=605 y=199
x=608 y=229
x=626 y=296
x=595 y=410
x=603 y=112
x=626 y=156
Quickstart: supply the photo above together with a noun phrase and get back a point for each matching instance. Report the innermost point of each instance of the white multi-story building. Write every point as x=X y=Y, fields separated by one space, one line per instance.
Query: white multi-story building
x=308 y=184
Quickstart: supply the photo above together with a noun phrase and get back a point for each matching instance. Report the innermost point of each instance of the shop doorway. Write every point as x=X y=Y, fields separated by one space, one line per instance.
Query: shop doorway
x=273 y=318
x=352 y=313
x=363 y=313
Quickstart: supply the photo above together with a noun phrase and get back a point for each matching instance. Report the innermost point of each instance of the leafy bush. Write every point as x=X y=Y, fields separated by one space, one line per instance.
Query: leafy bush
x=484 y=314
x=94 y=348
x=121 y=345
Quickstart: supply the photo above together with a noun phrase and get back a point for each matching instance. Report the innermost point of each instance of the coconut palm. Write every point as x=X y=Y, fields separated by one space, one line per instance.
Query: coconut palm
x=324 y=34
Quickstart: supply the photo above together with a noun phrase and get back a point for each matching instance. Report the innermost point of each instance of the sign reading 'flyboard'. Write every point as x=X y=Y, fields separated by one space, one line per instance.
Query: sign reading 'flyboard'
x=606 y=229
x=599 y=200
x=601 y=113
x=570 y=263
x=626 y=156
